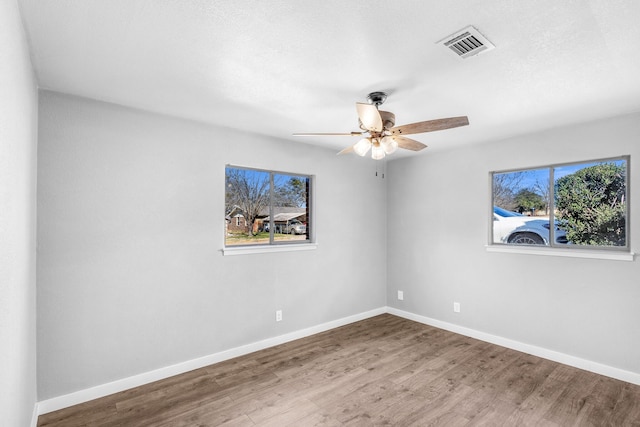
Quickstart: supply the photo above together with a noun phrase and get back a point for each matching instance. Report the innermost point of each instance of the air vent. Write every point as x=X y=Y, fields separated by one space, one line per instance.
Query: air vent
x=467 y=42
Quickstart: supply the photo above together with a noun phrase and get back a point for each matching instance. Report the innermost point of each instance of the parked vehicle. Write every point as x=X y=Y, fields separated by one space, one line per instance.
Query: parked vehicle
x=295 y=227
x=514 y=228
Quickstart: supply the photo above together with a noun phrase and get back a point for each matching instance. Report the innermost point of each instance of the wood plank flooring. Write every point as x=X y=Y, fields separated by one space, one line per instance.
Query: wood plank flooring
x=381 y=371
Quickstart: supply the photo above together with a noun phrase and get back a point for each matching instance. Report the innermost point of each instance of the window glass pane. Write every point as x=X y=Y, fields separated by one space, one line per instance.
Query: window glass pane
x=246 y=204
x=521 y=204
x=591 y=202
x=290 y=208
x=586 y=202
x=266 y=207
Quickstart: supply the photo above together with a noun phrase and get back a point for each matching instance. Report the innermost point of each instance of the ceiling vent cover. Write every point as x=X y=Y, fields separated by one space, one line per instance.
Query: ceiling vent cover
x=467 y=42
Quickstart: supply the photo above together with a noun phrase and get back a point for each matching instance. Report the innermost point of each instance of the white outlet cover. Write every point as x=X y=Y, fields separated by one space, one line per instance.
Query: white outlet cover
x=400 y=295
x=456 y=307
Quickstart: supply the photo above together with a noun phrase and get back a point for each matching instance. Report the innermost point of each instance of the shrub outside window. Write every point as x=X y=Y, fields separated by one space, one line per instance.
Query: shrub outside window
x=587 y=203
x=266 y=207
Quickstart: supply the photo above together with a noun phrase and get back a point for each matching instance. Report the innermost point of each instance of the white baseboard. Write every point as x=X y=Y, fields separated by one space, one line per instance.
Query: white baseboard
x=102 y=390
x=576 y=362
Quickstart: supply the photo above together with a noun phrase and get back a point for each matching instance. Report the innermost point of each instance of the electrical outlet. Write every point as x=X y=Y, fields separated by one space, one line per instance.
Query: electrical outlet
x=400 y=295
x=456 y=307
x=278 y=315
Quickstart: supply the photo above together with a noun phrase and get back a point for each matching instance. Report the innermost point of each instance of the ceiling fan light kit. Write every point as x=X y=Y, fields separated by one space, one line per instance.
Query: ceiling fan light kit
x=377 y=152
x=362 y=147
x=384 y=137
x=389 y=144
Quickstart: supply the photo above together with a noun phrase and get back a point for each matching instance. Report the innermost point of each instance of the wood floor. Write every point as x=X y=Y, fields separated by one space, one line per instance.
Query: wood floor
x=380 y=371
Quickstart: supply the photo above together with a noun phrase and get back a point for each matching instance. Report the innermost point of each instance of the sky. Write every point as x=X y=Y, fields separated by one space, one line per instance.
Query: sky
x=255 y=179
x=541 y=175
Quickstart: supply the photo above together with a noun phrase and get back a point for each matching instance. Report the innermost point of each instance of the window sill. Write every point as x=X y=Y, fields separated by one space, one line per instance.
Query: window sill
x=248 y=250
x=570 y=253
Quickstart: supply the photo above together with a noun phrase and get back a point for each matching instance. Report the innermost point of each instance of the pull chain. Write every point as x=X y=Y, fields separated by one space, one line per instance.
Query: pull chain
x=384 y=168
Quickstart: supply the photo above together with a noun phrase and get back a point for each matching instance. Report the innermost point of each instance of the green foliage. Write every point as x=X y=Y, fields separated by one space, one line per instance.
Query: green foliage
x=591 y=205
x=528 y=200
x=293 y=192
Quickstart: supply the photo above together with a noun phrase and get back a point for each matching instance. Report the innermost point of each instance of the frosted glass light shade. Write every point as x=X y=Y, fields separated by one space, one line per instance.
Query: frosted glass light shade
x=362 y=146
x=377 y=152
x=389 y=144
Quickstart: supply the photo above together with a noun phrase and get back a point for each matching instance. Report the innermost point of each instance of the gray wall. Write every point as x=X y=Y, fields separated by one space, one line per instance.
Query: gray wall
x=130 y=227
x=439 y=203
x=18 y=142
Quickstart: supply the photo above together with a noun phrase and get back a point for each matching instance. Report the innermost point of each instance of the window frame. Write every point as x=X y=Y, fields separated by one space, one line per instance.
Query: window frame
x=553 y=248
x=276 y=245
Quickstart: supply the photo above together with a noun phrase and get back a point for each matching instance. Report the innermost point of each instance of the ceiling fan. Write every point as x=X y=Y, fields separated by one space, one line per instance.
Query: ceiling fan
x=380 y=133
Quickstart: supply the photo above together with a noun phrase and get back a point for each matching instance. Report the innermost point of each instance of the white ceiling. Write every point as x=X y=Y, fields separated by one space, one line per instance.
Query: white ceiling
x=276 y=67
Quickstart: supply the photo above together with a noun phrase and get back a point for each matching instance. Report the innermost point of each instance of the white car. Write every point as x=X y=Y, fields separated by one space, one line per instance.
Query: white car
x=514 y=228
x=296 y=227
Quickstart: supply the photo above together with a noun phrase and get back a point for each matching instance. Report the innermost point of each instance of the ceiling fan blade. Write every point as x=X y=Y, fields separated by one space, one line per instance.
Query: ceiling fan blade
x=369 y=117
x=409 y=144
x=329 y=134
x=430 y=125
x=347 y=150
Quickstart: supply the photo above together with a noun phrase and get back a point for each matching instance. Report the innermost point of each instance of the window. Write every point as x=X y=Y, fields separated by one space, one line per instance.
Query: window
x=270 y=207
x=587 y=203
